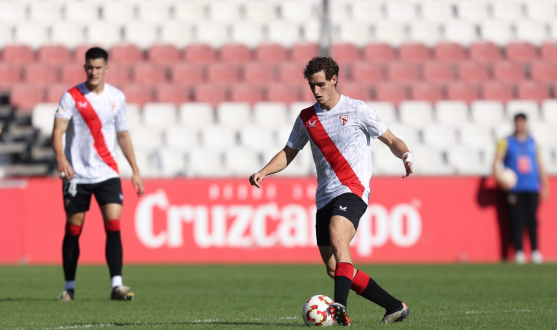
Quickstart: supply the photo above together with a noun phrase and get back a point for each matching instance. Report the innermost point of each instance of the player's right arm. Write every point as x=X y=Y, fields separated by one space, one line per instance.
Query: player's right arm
x=497 y=165
x=65 y=170
x=277 y=164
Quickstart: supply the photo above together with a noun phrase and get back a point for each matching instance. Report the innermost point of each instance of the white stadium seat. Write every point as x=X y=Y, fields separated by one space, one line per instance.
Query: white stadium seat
x=196 y=115
x=143 y=159
x=31 y=34
x=283 y=33
x=297 y=11
x=439 y=136
x=146 y=138
x=12 y=12
x=367 y=11
x=235 y=115
x=416 y=113
x=224 y=11
x=510 y=11
x=257 y=138
x=190 y=12
x=302 y=165
x=118 y=12
x=503 y=129
x=181 y=138
x=103 y=33
x=176 y=33
x=241 y=161
x=409 y=134
x=270 y=114
x=171 y=162
x=42 y=118
x=473 y=11
x=435 y=11
x=153 y=11
x=473 y=135
x=541 y=11
x=452 y=113
x=247 y=33
x=487 y=112
x=383 y=162
x=529 y=108
x=260 y=11
x=339 y=12
x=133 y=114
x=386 y=111
x=531 y=31
x=545 y=134
x=45 y=12
x=295 y=109
x=498 y=32
x=549 y=110
x=402 y=11
x=159 y=115
x=391 y=32
x=218 y=137
x=357 y=33
x=211 y=33
x=425 y=32
x=205 y=162
x=6 y=35
x=312 y=31
x=461 y=32
x=81 y=12
x=68 y=34
x=429 y=161
x=467 y=161
x=142 y=34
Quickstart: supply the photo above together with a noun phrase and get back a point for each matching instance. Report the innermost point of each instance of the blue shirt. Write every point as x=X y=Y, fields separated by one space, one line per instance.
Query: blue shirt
x=522 y=158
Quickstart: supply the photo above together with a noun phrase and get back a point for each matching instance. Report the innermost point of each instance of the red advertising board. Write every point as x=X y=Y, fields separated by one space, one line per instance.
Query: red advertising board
x=414 y=220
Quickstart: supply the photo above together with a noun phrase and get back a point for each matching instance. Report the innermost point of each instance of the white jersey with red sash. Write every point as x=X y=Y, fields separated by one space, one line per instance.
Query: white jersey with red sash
x=91 y=134
x=340 y=144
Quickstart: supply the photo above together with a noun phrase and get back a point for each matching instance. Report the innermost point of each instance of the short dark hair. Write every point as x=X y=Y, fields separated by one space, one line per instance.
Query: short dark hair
x=520 y=115
x=96 y=52
x=318 y=63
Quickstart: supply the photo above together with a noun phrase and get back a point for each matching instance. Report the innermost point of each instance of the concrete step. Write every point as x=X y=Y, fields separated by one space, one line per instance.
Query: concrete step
x=13 y=148
x=24 y=170
x=43 y=154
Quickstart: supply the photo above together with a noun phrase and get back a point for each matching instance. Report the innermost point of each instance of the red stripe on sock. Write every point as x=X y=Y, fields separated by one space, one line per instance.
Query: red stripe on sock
x=345 y=269
x=73 y=230
x=112 y=225
x=359 y=282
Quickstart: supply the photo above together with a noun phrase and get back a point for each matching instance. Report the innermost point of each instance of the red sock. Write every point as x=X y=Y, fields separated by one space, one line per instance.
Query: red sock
x=73 y=230
x=112 y=225
x=359 y=282
x=343 y=281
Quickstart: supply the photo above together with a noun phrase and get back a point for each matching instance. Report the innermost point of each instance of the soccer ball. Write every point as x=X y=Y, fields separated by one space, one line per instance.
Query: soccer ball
x=508 y=178
x=316 y=311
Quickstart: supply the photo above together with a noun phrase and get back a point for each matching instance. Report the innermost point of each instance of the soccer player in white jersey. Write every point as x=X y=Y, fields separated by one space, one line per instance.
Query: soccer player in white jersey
x=339 y=130
x=93 y=116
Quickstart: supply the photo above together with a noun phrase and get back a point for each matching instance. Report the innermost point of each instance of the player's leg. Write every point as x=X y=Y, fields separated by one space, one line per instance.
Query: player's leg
x=532 y=209
x=515 y=205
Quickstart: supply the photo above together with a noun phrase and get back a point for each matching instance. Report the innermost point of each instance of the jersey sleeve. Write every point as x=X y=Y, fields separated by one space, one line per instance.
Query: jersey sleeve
x=370 y=121
x=298 y=138
x=502 y=146
x=121 y=123
x=66 y=107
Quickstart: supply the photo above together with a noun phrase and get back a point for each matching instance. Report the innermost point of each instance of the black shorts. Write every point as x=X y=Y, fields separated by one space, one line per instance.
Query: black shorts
x=77 y=196
x=348 y=205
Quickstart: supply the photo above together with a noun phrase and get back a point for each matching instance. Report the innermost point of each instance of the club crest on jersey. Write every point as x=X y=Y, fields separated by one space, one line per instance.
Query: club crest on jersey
x=112 y=105
x=312 y=123
x=82 y=104
x=343 y=119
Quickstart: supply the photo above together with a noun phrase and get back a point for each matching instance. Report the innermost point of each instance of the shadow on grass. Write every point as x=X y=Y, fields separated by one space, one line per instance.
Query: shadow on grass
x=203 y=322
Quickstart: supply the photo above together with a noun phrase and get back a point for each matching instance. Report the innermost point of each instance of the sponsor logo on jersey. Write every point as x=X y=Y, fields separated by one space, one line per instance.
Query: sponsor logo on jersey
x=82 y=105
x=343 y=119
x=342 y=208
x=312 y=123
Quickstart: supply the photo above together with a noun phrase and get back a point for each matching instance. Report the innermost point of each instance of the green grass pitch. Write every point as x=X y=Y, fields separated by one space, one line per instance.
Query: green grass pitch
x=475 y=297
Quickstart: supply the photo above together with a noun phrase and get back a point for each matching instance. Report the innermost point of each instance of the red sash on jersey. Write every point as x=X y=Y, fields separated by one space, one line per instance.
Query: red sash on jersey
x=334 y=157
x=95 y=125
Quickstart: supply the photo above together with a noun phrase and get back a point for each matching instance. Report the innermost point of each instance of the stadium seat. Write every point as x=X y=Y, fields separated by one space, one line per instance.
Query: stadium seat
x=528 y=107
x=438 y=72
x=545 y=133
x=306 y=95
x=205 y=162
x=352 y=32
x=379 y=52
x=67 y=34
x=171 y=162
x=140 y=33
x=449 y=52
x=118 y=74
x=303 y=52
x=81 y=11
x=118 y=12
x=163 y=54
x=213 y=94
x=105 y=34
x=177 y=33
x=386 y=112
x=549 y=111
x=25 y=96
x=42 y=118
x=426 y=32
x=365 y=72
x=452 y=113
x=473 y=135
x=461 y=32
x=187 y=74
x=487 y=113
x=549 y=50
x=146 y=138
x=498 y=91
x=531 y=31
x=545 y=72
x=196 y=115
x=12 y=12
x=509 y=11
x=388 y=165
x=356 y=91
x=17 y=54
x=291 y=72
x=200 y=53
x=473 y=72
x=153 y=11
x=39 y=73
x=247 y=33
x=240 y=161
x=261 y=12
x=258 y=72
x=297 y=11
x=270 y=114
x=45 y=12
x=501 y=130
x=367 y=11
x=282 y=92
x=134 y=115
x=344 y=52
x=222 y=72
x=294 y=110
x=172 y=93
x=541 y=11
x=439 y=136
x=339 y=12
x=235 y=53
x=10 y=75
x=403 y=72
x=283 y=33
x=414 y=52
x=139 y=94
x=408 y=133
x=159 y=115
x=425 y=91
x=497 y=32
x=531 y=90
x=248 y=93
x=126 y=53
x=6 y=35
x=149 y=73
x=270 y=53
x=218 y=137
x=391 y=92
x=256 y=138
x=179 y=138
x=32 y=34
x=508 y=72
x=415 y=113
x=521 y=52
x=461 y=91
x=485 y=52
x=439 y=12
x=79 y=53
x=189 y=11
x=390 y=32
x=54 y=92
x=467 y=161
x=235 y=115
x=473 y=11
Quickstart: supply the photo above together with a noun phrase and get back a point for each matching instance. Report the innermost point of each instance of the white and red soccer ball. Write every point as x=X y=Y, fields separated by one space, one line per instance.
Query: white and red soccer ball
x=316 y=311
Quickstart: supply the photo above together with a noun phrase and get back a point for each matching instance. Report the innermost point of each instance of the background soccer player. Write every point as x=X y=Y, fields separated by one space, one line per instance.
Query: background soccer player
x=93 y=115
x=339 y=130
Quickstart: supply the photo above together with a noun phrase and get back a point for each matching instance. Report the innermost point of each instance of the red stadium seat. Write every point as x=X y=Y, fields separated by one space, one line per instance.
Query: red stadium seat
x=306 y=94
x=391 y=92
x=248 y=93
x=172 y=93
x=344 y=52
x=414 y=52
x=118 y=74
x=461 y=91
x=439 y=72
x=38 y=73
x=79 y=53
x=449 y=52
x=200 y=53
x=403 y=72
x=271 y=53
x=149 y=73
x=485 y=52
x=223 y=72
x=25 y=96
x=367 y=72
x=545 y=72
x=126 y=53
x=473 y=72
x=549 y=50
x=213 y=94
x=187 y=74
x=356 y=91
x=521 y=52
x=292 y=72
x=427 y=92
x=19 y=54
x=166 y=54
x=52 y=54
x=379 y=52
x=508 y=71
x=531 y=90
x=497 y=91
x=74 y=73
x=259 y=72
x=282 y=93
x=54 y=92
x=10 y=75
x=303 y=52
x=138 y=94
x=237 y=53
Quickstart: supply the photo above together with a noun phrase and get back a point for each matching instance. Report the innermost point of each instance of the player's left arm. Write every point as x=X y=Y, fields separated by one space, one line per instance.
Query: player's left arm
x=544 y=193
x=125 y=142
x=399 y=149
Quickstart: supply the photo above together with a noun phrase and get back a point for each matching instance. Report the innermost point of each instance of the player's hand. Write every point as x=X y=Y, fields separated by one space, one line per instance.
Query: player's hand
x=409 y=169
x=256 y=179
x=65 y=170
x=138 y=184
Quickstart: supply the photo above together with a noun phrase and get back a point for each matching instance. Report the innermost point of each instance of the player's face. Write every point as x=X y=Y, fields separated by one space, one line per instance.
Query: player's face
x=96 y=70
x=322 y=88
x=520 y=126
